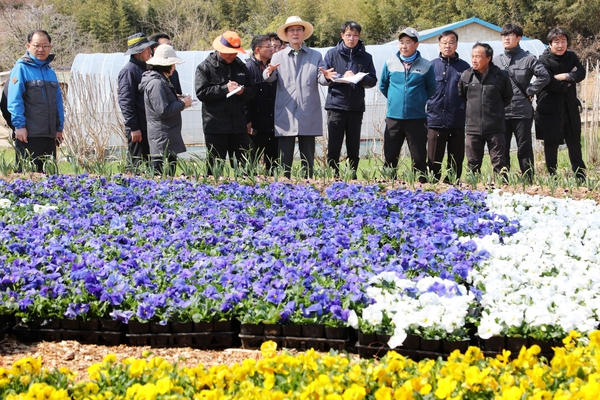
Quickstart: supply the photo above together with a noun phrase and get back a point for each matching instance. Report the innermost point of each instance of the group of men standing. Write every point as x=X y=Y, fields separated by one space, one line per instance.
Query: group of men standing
x=261 y=106
x=433 y=105
x=447 y=103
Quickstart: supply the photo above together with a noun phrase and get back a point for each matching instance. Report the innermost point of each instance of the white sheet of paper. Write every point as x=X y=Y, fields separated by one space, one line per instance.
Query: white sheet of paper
x=351 y=79
x=234 y=91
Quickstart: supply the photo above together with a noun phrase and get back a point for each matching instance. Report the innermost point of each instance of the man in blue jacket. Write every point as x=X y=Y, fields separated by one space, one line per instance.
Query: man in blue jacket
x=131 y=99
x=407 y=81
x=35 y=101
x=446 y=111
x=345 y=102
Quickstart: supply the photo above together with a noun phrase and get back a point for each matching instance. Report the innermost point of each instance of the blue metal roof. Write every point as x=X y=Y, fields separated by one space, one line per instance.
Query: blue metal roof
x=434 y=32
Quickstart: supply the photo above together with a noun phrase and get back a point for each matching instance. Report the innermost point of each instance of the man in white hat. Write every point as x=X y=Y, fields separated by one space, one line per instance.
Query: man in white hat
x=298 y=70
x=131 y=99
x=223 y=85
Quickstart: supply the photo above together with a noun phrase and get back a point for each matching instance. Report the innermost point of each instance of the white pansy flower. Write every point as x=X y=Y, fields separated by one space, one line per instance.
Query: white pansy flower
x=39 y=209
x=5 y=203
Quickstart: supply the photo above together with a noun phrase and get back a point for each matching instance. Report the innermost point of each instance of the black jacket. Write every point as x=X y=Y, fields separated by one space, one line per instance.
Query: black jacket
x=522 y=67
x=486 y=96
x=559 y=97
x=222 y=114
x=344 y=96
x=131 y=99
x=445 y=109
x=260 y=111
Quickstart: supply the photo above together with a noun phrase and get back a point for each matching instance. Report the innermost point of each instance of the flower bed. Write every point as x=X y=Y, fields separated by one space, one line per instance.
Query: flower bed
x=572 y=374
x=139 y=250
x=395 y=263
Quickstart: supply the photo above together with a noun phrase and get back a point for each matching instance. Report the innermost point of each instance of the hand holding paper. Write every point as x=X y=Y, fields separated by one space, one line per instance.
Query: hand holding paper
x=351 y=79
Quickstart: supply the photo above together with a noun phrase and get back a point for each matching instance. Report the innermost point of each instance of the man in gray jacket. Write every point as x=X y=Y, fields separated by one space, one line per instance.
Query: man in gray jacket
x=521 y=67
x=298 y=70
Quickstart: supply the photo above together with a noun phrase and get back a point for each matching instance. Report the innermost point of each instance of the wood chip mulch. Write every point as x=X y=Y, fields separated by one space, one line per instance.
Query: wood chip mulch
x=78 y=357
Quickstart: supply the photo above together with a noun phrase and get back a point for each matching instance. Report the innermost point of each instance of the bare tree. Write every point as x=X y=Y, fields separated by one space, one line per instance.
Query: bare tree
x=16 y=23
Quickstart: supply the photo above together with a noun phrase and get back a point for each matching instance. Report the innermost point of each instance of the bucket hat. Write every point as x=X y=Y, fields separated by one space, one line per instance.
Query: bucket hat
x=291 y=21
x=137 y=43
x=164 y=55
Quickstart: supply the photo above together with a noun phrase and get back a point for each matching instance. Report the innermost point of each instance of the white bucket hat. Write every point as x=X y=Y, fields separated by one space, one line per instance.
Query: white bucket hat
x=291 y=21
x=164 y=55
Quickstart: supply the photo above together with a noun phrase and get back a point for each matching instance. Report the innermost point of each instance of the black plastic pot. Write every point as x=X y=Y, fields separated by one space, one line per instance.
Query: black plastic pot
x=182 y=327
x=203 y=326
x=90 y=325
x=433 y=345
x=291 y=330
x=495 y=343
x=271 y=329
x=313 y=330
x=336 y=333
x=110 y=325
x=137 y=327
x=251 y=329
x=449 y=346
x=514 y=344
x=157 y=327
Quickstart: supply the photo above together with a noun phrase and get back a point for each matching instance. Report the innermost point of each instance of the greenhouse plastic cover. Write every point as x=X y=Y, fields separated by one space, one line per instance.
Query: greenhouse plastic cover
x=103 y=69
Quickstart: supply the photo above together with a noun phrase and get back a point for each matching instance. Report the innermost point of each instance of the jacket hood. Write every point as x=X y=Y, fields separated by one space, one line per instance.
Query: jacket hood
x=360 y=47
x=513 y=51
x=149 y=76
x=454 y=58
x=27 y=58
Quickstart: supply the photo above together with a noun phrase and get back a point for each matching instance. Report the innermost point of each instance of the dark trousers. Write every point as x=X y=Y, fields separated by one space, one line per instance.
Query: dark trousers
x=339 y=124
x=236 y=145
x=264 y=144
x=522 y=130
x=38 y=149
x=437 y=139
x=415 y=133
x=306 y=145
x=475 y=146
x=573 y=142
x=160 y=163
x=137 y=151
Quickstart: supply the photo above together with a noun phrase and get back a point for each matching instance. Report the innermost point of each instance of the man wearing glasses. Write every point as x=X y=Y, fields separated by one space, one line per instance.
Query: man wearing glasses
x=521 y=67
x=260 y=110
x=446 y=111
x=277 y=43
x=345 y=103
x=35 y=101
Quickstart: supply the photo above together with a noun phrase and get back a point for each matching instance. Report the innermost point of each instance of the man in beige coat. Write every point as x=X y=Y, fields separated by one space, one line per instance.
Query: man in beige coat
x=298 y=71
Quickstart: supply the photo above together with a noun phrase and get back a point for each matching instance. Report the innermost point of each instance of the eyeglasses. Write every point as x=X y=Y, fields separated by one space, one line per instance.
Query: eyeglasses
x=42 y=46
x=267 y=47
x=296 y=30
x=510 y=35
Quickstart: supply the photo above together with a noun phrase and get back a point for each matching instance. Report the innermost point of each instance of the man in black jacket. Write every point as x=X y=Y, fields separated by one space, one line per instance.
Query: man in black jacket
x=486 y=90
x=345 y=102
x=131 y=100
x=521 y=67
x=446 y=110
x=260 y=110
x=223 y=84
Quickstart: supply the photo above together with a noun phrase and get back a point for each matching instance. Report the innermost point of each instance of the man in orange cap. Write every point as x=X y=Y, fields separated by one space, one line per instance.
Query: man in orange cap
x=223 y=84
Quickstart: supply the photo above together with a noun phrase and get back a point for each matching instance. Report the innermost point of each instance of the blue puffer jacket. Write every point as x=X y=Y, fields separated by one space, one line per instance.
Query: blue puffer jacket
x=446 y=109
x=344 y=96
x=407 y=91
x=34 y=97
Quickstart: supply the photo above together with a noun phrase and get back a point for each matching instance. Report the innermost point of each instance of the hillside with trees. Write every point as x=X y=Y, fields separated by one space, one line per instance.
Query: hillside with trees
x=103 y=25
